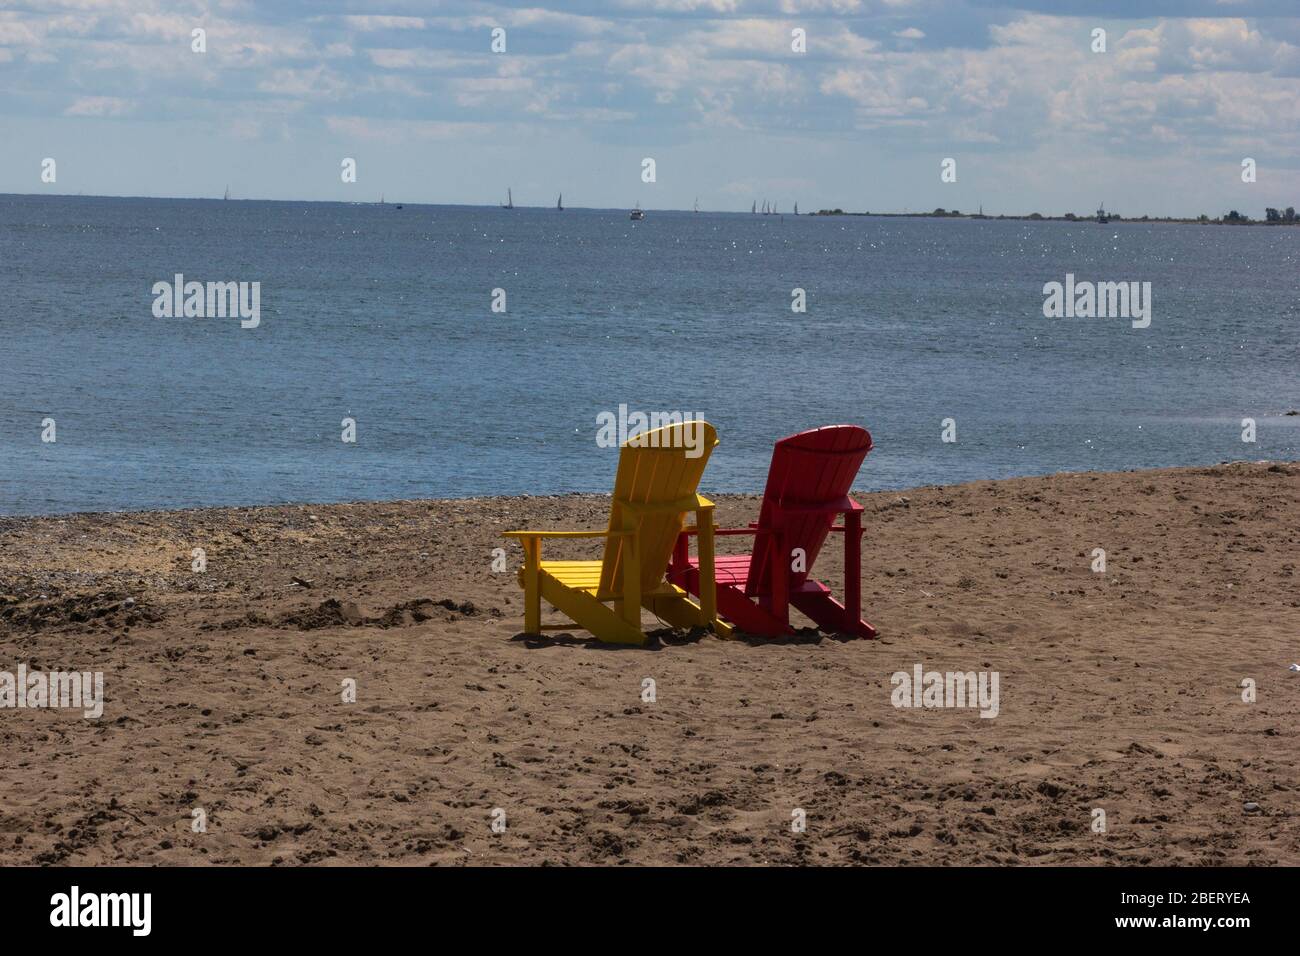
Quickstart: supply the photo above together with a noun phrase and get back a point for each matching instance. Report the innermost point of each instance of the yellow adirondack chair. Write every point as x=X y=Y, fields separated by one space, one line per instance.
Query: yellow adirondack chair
x=654 y=488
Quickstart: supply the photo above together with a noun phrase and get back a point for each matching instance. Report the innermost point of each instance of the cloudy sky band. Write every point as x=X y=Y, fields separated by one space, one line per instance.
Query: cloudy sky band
x=711 y=89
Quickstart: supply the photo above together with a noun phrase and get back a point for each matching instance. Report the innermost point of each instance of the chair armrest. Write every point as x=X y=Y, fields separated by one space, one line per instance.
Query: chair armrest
x=842 y=506
x=531 y=541
x=686 y=503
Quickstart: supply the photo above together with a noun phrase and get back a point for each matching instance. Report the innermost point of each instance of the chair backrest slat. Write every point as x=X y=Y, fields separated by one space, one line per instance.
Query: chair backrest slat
x=810 y=469
x=654 y=467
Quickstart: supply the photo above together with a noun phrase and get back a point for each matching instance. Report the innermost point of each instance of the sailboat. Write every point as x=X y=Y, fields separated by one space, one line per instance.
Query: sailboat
x=1101 y=214
x=510 y=200
x=381 y=199
x=559 y=203
x=753 y=210
x=697 y=204
x=796 y=209
x=227 y=195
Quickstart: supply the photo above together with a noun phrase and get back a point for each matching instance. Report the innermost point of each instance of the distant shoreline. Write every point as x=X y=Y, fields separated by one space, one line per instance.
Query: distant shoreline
x=1114 y=218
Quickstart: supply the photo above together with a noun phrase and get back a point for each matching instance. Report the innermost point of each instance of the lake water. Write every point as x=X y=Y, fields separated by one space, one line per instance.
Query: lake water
x=384 y=315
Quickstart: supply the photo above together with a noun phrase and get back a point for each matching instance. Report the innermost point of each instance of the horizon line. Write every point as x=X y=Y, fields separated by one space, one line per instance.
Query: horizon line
x=824 y=213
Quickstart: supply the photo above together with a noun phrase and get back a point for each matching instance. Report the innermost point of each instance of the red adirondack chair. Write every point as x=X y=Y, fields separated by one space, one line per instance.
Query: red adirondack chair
x=807 y=487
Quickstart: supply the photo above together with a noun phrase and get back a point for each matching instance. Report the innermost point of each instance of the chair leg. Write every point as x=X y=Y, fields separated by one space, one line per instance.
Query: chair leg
x=532 y=586
x=708 y=582
x=852 y=569
x=681 y=559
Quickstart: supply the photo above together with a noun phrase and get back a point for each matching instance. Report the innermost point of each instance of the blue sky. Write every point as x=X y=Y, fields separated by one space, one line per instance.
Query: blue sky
x=710 y=89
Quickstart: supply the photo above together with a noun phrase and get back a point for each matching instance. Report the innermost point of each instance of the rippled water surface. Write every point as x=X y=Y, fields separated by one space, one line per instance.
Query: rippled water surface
x=383 y=315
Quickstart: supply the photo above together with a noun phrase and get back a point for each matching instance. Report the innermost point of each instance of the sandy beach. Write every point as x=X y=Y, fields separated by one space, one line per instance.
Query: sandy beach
x=1120 y=691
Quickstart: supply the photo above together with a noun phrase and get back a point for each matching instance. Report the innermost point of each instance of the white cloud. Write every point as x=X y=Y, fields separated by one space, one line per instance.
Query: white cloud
x=99 y=106
x=421 y=59
x=397 y=131
x=371 y=23
x=673 y=67
x=680 y=6
x=317 y=81
x=1177 y=46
